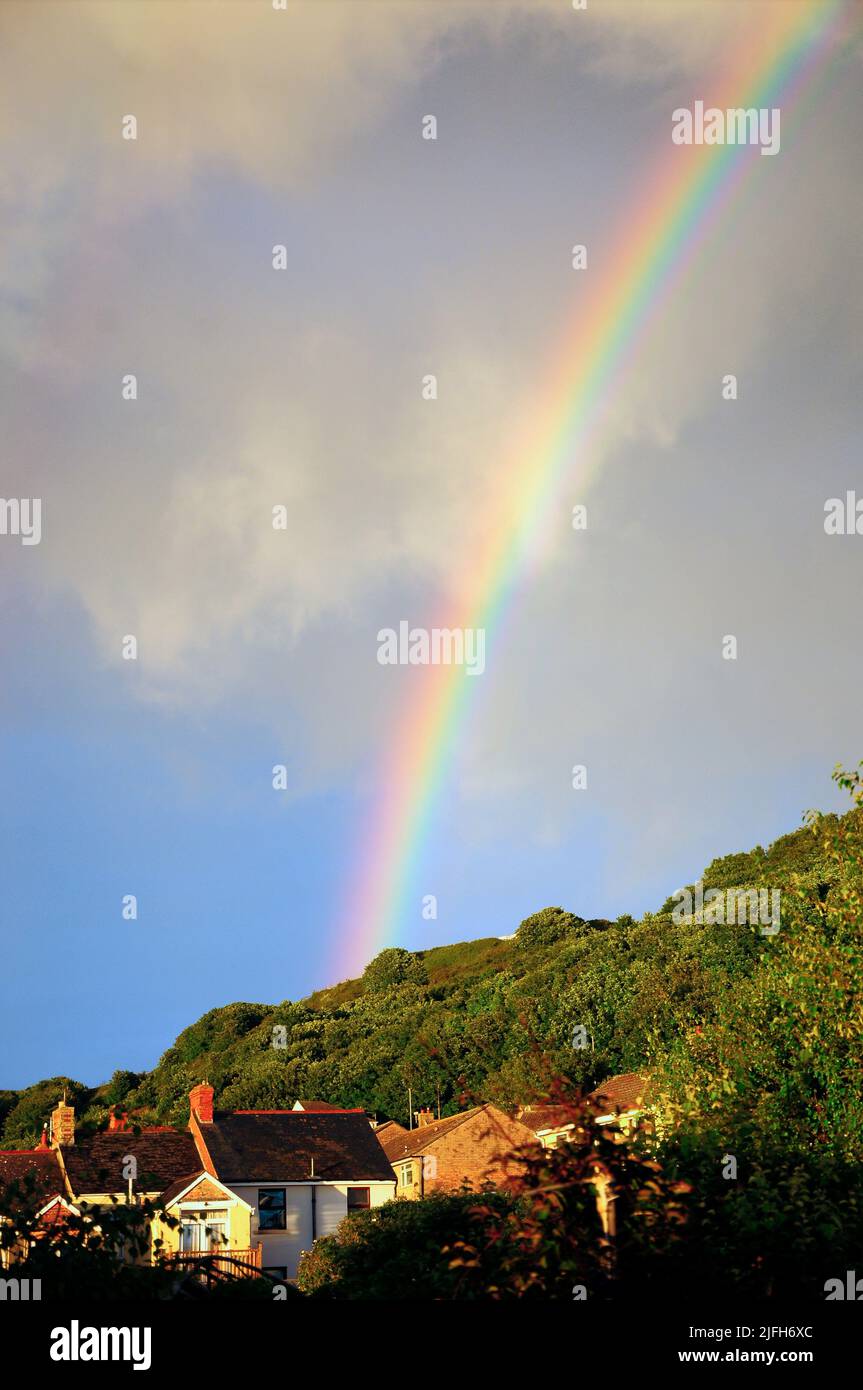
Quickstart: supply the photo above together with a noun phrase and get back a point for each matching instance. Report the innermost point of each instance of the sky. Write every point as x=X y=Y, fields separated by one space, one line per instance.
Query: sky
x=301 y=388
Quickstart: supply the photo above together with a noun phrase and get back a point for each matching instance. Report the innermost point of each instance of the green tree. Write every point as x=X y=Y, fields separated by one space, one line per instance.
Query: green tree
x=25 y=1119
x=547 y=927
x=394 y=966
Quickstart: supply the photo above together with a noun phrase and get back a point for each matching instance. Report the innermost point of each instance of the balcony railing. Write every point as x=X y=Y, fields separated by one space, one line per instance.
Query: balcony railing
x=211 y=1266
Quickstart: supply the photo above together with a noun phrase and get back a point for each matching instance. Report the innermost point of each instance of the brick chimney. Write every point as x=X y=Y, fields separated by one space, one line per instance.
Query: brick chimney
x=201 y=1103
x=62 y=1124
x=424 y=1117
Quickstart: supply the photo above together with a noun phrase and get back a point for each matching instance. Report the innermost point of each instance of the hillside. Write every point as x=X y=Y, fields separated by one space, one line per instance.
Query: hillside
x=492 y=1018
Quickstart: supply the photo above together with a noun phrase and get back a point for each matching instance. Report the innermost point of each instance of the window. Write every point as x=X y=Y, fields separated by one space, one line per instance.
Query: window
x=271 y=1209
x=202 y=1230
x=405 y=1175
x=359 y=1199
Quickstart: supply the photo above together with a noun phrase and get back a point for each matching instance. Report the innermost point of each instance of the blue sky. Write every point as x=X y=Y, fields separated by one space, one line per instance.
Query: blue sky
x=258 y=648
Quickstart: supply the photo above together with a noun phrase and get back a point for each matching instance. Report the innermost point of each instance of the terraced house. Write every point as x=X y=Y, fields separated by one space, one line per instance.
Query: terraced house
x=250 y=1189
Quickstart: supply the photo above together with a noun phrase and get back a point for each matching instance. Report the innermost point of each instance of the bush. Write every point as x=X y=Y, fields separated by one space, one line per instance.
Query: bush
x=545 y=928
x=395 y=966
x=398 y=1251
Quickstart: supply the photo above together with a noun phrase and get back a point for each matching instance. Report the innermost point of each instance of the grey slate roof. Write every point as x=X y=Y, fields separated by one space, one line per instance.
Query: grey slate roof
x=279 y=1145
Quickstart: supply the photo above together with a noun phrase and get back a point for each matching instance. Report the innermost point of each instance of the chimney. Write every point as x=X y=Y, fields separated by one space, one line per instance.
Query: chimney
x=201 y=1103
x=62 y=1124
x=424 y=1116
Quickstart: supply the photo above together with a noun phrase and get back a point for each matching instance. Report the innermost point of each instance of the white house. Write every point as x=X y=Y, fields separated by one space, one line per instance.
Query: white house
x=300 y=1171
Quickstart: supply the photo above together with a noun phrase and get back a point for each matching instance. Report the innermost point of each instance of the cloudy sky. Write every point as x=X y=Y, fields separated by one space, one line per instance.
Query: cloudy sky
x=302 y=388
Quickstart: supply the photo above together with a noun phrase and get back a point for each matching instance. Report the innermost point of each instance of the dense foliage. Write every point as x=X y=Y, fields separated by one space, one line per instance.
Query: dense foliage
x=544 y=1238
x=94 y=1253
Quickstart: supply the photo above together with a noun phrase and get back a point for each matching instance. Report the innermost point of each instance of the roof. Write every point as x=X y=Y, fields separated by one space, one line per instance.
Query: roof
x=625 y=1092
x=57 y=1212
x=280 y=1145
x=410 y=1143
x=43 y=1164
x=182 y=1184
x=628 y=1091
x=388 y=1128
x=190 y=1182
x=543 y=1118
x=95 y=1163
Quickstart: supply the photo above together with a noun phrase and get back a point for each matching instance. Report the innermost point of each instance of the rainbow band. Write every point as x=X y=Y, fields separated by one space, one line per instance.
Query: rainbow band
x=673 y=215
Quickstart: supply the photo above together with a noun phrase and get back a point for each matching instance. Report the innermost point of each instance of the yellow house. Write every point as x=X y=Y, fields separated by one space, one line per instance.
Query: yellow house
x=211 y=1220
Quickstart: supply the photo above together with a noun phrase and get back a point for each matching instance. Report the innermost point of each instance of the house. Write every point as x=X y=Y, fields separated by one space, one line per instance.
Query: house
x=300 y=1171
x=250 y=1189
x=550 y=1124
x=622 y=1104
x=619 y=1105
x=214 y=1225
x=469 y=1149
x=36 y=1172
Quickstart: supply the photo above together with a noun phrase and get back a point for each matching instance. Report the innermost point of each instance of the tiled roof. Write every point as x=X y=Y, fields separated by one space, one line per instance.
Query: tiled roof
x=410 y=1143
x=388 y=1129
x=44 y=1166
x=625 y=1092
x=179 y=1185
x=279 y=1146
x=95 y=1164
x=545 y=1117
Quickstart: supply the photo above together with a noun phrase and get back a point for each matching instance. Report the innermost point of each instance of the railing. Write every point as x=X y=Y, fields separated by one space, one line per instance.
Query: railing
x=216 y=1266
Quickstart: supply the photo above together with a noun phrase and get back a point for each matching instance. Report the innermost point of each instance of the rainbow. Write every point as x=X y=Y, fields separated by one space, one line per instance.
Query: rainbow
x=669 y=221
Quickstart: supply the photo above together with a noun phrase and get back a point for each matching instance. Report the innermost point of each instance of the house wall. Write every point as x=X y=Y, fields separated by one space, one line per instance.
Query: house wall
x=409 y=1178
x=111 y=1199
x=283 y=1248
x=555 y=1137
x=239 y=1231
x=476 y=1152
